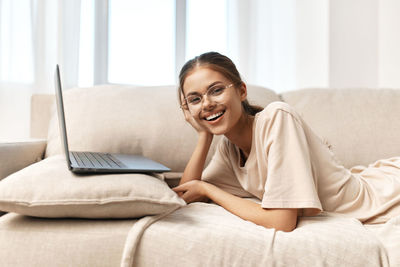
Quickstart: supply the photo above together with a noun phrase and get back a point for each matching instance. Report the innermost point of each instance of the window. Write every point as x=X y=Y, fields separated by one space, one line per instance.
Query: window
x=86 y=44
x=141 y=42
x=142 y=38
x=144 y=42
x=206 y=24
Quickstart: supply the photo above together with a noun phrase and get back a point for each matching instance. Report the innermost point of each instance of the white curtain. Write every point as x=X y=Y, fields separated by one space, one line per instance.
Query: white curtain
x=56 y=27
x=48 y=35
x=35 y=35
x=291 y=44
x=283 y=45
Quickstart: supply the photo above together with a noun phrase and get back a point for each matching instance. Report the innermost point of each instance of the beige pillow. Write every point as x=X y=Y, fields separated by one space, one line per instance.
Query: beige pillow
x=49 y=189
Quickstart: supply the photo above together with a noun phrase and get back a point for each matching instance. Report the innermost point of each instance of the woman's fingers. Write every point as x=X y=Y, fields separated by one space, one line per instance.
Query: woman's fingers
x=179 y=188
x=188 y=116
x=184 y=192
x=186 y=197
x=191 y=191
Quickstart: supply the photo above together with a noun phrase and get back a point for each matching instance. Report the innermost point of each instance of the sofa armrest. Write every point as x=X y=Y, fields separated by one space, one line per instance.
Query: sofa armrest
x=17 y=155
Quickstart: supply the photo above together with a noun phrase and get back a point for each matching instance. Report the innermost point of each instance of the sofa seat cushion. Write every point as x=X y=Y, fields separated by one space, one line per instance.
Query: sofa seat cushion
x=49 y=189
x=30 y=241
x=133 y=120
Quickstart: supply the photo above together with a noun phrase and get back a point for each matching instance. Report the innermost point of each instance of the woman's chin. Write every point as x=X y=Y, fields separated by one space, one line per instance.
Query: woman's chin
x=217 y=130
x=216 y=127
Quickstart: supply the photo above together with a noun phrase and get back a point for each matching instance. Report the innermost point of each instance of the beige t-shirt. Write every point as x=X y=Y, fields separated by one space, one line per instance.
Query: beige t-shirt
x=289 y=166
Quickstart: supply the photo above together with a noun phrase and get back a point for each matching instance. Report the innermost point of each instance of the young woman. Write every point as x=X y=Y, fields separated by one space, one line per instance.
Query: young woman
x=271 y=154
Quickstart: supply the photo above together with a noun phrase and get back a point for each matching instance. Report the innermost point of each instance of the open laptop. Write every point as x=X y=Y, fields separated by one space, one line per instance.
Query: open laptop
x=93 y=162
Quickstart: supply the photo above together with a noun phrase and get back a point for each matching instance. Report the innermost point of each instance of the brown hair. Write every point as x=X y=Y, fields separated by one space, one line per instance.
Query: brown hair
x=221 y=64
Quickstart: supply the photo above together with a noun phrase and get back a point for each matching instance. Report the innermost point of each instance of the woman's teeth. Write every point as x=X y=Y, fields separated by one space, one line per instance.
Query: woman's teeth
x=214 y=116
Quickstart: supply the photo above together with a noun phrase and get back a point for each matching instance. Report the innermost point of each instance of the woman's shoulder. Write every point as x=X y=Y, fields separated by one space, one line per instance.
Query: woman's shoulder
x=275 y=107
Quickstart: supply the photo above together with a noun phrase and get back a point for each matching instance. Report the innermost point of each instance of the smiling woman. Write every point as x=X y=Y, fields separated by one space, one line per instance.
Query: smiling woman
x=271 y=154
x=212 y=109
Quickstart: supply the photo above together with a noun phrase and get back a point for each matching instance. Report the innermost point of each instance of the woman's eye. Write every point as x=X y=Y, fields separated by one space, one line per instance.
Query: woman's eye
x=217 y=90
x=194 y=100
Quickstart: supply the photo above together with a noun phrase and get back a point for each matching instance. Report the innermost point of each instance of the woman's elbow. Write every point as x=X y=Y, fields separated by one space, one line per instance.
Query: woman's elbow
x=285 y=228
x=282 y=220
x=280 y=227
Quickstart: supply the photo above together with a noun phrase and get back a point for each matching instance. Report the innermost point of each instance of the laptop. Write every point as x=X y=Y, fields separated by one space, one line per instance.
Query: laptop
x=94 y=162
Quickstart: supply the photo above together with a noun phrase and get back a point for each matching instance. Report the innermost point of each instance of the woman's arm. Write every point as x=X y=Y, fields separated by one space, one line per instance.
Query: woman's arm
x=280 y=219
x=195 y=166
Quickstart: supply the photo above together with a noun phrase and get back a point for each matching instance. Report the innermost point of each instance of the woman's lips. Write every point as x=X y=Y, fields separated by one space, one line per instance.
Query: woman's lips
x=215 y=117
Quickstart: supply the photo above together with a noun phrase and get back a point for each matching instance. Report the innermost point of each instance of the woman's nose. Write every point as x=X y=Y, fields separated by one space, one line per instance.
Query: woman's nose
x=207 y=102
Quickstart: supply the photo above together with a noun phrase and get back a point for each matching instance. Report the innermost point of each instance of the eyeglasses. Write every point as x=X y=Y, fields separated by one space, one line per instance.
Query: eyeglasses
x=213 y=94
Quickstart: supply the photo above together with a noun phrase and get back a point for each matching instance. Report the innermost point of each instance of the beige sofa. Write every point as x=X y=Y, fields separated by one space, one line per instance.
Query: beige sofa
x=361 y=125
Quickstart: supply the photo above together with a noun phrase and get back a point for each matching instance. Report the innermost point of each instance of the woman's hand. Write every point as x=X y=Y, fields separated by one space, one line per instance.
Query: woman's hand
x=192 y=191
x=190 y=119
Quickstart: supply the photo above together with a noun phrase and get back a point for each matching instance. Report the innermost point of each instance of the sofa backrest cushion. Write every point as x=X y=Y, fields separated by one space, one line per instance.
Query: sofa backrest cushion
x=133 y=120
x=362 y=125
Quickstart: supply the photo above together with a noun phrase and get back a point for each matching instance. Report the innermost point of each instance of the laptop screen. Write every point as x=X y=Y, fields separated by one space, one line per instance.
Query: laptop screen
x=61 y=116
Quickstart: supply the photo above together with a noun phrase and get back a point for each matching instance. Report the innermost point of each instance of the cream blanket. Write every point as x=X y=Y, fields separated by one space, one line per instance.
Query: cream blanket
x=202 y=234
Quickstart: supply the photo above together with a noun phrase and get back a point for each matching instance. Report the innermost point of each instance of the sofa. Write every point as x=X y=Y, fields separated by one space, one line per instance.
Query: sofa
x=52 y=217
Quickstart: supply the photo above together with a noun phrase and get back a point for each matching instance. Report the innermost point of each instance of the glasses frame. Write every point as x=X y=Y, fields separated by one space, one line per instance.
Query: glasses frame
x=186 y=104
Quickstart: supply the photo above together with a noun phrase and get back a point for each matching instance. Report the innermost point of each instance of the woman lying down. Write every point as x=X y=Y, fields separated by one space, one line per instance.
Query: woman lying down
x=273 y=155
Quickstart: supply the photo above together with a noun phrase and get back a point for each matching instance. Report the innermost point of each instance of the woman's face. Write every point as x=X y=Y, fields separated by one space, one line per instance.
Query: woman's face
x=213 y=101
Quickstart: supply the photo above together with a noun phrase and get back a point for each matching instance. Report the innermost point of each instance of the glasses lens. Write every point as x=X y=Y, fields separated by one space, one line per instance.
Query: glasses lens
x=193 y=99
x=213 y=94
x=216 y=91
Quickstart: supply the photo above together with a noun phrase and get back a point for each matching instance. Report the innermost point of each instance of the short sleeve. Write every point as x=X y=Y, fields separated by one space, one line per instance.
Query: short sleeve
x=220 y=173
x=290 y=181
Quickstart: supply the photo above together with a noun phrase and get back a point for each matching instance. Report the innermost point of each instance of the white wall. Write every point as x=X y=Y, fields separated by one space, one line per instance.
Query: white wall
x=14 y=112
x=288 y=44
x=389 y=43
x=312 y=43
x=354 y=35
x=362 y=38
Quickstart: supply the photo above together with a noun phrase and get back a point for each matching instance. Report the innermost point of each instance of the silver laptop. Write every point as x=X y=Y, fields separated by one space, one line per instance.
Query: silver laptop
x=93 y=162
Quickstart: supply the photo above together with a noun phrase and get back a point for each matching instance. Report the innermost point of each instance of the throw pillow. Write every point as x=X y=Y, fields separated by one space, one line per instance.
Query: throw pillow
x=49 y=189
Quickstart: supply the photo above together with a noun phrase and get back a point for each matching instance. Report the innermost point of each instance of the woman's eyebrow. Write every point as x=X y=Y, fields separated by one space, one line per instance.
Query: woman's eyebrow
x=208 y=87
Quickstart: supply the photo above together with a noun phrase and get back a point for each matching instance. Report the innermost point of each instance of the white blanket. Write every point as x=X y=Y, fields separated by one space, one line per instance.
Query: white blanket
x=202 y=234
x=389 y=235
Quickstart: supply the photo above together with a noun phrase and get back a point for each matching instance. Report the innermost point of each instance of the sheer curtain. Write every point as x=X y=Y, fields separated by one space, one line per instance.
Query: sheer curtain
x=283 y=45
x=291 y=44
x=34 y=36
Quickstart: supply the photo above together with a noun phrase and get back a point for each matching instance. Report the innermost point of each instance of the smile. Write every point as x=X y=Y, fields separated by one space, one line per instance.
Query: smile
x=215 y=116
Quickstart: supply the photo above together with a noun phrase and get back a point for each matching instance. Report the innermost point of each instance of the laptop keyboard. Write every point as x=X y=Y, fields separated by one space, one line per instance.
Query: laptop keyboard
x=97 y=160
